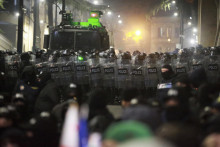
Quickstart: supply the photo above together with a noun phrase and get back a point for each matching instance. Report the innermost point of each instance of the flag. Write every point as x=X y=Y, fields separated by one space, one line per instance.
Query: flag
x=83 y=130
x=95 y=140
x=70 y=131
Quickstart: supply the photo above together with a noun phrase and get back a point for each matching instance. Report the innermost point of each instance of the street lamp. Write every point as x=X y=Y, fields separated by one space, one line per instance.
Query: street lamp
x=174 y=2
x=17 y=14
x=96 y=2
x=192 y=41
x=175 y=14
x=138 y=32
x=109 y=13
x=194 y=30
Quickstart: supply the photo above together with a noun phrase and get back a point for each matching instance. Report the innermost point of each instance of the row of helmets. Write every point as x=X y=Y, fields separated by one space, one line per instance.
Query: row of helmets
x=106 y=69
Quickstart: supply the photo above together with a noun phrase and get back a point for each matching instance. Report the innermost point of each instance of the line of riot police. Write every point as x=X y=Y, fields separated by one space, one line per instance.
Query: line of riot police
x=110 y=70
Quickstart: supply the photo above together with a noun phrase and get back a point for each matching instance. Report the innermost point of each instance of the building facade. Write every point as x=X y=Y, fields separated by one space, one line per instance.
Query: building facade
x=165 y=33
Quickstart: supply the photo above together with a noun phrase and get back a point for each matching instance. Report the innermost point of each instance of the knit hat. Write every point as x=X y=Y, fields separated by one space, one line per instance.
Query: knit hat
x=127 y=130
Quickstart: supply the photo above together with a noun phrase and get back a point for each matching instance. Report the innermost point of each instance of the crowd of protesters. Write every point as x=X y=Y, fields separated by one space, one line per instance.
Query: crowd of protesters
x=32 y=112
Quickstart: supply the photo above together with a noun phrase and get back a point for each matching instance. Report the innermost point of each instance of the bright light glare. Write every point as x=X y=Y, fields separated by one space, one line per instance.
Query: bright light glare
x=96 y=2
x=169 y=40
x=120 y=21
x=41 y=0
x=41 y=21
x=192 y=41
x=194 y=30
x=173 y=2
x=93 y=14
x=17 y=14
x=109 y=13
x=190 y=17
x=80 y=58
x=175 y=14
x=189 y=23
x=138 y=32
x=108 y=6
x=119 y=16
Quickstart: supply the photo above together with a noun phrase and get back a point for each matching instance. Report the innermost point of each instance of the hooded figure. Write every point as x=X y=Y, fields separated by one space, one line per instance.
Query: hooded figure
x=49 y=94
x=167 y=74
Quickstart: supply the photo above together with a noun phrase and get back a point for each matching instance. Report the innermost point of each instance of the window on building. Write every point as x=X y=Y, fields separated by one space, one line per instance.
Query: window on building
x=164 y=32
x=160 y=32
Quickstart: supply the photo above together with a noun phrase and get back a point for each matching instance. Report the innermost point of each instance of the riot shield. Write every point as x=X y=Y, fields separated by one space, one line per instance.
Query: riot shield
x=138 y=71
x=151 y=72
x=123 y=74
x=181 y=64
x=212 y=68
x=197 y=60
x=108 y=69
x=12 y=65
x=81 y=70
x=95 y=73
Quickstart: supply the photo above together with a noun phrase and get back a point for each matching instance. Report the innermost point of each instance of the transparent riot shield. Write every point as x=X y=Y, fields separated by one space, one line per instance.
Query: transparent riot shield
x=12 y=65
x=181 y=65
x=123 y=74
x=108 y=69
x=212 y=68
x=81 y=70
x=54 y=69
x=197 y=60
x=41 y=67
x=138 y=72
x=151 y=72
x=66 y=72
x=95 y=73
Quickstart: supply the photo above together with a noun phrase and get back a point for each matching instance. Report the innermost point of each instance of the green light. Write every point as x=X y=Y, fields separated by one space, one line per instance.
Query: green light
x=80 y=58
x=93 y=21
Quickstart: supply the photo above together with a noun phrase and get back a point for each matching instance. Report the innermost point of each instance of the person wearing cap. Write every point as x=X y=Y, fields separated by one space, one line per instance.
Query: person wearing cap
x=176 y=106
x=127 y=95
x=124 y=131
